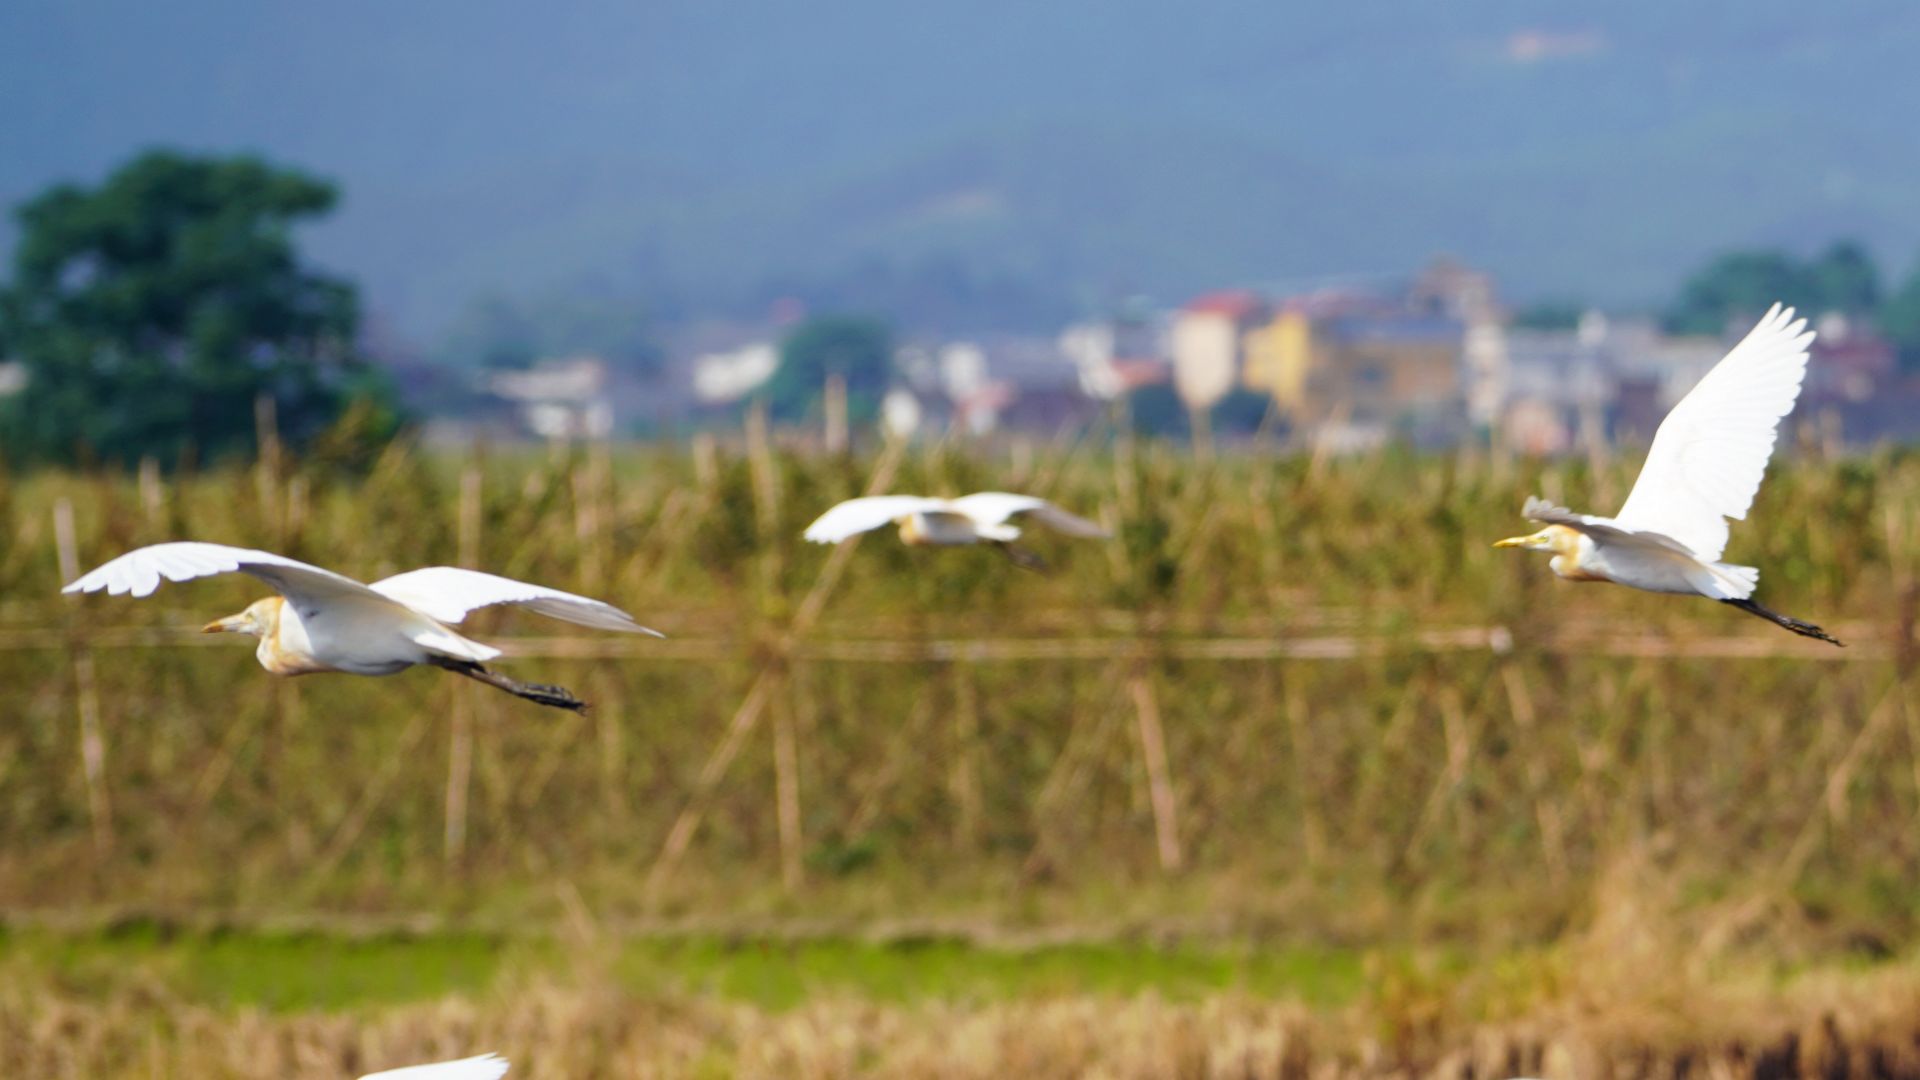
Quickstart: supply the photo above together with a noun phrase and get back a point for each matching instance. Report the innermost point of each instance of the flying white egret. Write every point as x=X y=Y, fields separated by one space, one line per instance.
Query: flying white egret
x=322 y=621
x=484 y=1067
x=1704 y=467
x=970 y=519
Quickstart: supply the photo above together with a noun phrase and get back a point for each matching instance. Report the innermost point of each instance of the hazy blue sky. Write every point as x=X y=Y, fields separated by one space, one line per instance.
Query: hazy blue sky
x=712 y=149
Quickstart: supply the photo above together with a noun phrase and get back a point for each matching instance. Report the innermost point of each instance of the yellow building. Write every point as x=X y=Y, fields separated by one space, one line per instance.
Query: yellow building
x=1384 y=369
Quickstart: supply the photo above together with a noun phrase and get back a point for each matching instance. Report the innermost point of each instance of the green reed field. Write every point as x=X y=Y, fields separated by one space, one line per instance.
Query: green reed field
x=1298 y=739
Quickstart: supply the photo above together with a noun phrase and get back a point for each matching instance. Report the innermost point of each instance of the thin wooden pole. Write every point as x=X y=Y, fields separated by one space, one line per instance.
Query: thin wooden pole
x=965 y=780
x=748 y=714
x=835 y=406
x=786 y=784
x=93 y=747
x=460 y=737
x=1153 y=747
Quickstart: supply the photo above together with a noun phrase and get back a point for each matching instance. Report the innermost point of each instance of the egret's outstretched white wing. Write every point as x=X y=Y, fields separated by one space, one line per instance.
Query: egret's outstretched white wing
x=1711 y=451
x=449 y=594
x=484 y=1067
x=865 y=514
x=1611 y=530
x=994 y=507
x=139 y=572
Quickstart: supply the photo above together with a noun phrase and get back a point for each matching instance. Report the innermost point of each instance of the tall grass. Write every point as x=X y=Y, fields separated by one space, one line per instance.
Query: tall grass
x=1281 y=700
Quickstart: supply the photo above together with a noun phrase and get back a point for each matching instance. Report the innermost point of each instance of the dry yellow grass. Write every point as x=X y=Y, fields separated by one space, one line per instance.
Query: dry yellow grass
x=570 y=1031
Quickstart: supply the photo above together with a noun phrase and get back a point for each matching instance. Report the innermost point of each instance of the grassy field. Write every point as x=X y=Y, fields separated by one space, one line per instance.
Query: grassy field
x=1298 y=718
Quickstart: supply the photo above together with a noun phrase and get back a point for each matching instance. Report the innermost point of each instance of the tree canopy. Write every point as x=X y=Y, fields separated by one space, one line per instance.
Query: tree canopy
x=859 y=350
x=1741 y=285
x=152 y=311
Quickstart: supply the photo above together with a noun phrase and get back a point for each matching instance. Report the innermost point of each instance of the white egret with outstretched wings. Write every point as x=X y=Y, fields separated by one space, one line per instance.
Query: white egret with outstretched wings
x=323 y=621
x=1704 y=467
x=971 y=519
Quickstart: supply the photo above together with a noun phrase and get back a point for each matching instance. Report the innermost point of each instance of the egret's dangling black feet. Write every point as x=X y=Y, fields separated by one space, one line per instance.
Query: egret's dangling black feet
x=1022 y=558
x=1804 y=629
x=557 y=697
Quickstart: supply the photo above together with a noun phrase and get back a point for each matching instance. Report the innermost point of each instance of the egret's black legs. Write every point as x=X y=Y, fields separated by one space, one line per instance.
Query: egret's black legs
x=1804 y=629
x=1021 y=557
x=540 y=694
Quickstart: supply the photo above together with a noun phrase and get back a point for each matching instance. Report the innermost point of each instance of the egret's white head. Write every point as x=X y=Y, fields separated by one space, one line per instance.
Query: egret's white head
x=259 y=619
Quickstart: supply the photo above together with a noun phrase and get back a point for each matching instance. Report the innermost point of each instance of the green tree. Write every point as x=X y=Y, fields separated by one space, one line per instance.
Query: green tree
x=1549 y=315
x=858 y=349
x=1844 y=278
x=1899 y=319
x=1736 y=285
x=153 y=310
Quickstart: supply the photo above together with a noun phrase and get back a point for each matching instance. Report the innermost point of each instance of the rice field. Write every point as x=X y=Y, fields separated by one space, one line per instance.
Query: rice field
x=1299 y=707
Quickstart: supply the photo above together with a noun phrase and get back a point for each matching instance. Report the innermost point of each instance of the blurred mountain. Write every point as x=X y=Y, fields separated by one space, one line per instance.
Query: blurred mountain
x=997 y=160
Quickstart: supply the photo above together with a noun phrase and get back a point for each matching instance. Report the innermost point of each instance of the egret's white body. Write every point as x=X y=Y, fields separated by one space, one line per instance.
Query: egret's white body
x=971 y=519
x=1705 y=466
x=484 y=1067
x=323 y=621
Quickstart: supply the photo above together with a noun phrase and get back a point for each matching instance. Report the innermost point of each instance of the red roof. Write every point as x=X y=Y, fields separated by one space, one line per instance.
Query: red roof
x=1233 y=303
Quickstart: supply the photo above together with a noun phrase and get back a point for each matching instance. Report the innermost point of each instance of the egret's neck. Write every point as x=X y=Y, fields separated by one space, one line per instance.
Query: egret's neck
x=285 y=648
x=1573 y=555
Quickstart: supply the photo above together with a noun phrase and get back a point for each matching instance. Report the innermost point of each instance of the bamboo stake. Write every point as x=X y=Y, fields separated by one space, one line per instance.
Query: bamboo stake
x=835 y=406
x=1313 y=830
x=153 y=495
x=1153 y=746
x=460 y=737
x=744 y=718
x=965 y=778
x=266 y=471
x=1553 y=843
x=93 y=748
x=350 y=827
x=786 y=784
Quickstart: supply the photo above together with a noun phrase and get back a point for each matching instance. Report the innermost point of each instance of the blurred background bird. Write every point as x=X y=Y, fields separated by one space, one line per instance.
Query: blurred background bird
x=484 y=1067
x=1704 y=467
x=323 y=621
x=982 y=518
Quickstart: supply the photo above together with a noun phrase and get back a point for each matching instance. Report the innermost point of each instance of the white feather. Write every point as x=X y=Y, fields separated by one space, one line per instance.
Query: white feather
x=450 y=594
x=856 y=516
x=139 y=572
x=484 y=1067
x=994 y=507
x=1711 y=451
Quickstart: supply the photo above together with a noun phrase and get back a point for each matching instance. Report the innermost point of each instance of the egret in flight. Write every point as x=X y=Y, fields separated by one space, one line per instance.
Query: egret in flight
x=970 y=519
x=484 y=1067
x=1704 y=467
x=322 y=621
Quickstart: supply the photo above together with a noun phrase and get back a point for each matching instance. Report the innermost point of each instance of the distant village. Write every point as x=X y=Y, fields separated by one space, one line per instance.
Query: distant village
x=1430 y=363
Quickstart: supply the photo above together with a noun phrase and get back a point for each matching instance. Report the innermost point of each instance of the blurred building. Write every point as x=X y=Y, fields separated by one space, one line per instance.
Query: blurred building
x=1398 y=374
x=729 y=375
x=1116 y=356
x=1206 y=342
x=1849 y=363
x=559 y=399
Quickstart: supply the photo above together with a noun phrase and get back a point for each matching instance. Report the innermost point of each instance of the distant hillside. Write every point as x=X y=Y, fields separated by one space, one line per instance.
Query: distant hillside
x=1042 y=157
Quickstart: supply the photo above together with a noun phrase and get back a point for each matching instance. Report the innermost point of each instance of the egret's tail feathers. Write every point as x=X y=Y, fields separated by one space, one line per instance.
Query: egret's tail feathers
x=1738 y=581
x=1804 y=629
x=558 y=697
x=448 y=643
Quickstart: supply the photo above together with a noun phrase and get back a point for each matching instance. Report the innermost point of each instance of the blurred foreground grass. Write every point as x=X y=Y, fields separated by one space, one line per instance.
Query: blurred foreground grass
x=143 y=1002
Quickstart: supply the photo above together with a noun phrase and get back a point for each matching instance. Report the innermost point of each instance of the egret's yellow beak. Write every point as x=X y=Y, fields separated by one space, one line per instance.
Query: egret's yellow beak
x=232 y=624
x=1513 y=541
